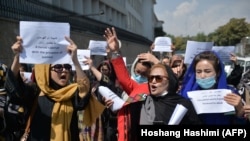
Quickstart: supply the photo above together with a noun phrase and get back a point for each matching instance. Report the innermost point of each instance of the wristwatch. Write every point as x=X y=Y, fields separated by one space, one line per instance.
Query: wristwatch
x=115 y=55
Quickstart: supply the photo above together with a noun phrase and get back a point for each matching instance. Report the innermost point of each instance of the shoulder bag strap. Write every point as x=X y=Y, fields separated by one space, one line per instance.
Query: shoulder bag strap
x=27 y=128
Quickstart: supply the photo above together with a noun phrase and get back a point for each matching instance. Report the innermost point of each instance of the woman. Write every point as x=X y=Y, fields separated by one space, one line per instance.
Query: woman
x=51 y=105
x=235 y=76
x=105 y=76
x=135 y=88
x=179 y=68
x=160 y=104
x=207 y=72
x=128 y=116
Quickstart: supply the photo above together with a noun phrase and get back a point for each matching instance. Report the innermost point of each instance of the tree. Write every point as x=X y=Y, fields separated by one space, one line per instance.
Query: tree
x=180 y=43
x=231 y=33
x=201 y=37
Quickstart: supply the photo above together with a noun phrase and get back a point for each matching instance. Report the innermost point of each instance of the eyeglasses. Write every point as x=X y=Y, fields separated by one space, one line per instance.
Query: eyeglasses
x=59 y=68
x=158 y=78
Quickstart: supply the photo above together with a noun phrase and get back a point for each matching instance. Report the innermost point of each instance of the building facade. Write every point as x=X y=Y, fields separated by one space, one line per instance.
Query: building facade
x=136 y=16
x=134 y=21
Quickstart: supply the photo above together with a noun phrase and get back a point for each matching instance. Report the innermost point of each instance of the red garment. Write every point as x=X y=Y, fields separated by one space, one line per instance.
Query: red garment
x=136 y=93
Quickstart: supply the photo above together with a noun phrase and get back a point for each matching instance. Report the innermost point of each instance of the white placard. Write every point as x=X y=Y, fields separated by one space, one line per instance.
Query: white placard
x=178 y=114
x=210 y=101
x=44 y=42
x=108 y=94
x=224 y=52
x=162 y=44
x=81 y=53
x=98 y=47
x=193 y=48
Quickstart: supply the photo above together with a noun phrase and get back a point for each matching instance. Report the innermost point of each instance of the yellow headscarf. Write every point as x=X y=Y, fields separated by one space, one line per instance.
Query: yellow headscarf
x=63 y=109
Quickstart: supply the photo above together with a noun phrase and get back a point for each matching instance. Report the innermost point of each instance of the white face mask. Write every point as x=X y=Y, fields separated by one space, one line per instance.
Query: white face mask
x=206 y=83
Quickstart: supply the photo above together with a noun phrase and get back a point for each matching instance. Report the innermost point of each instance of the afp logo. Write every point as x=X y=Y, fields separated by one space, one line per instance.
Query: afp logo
x=234 y=133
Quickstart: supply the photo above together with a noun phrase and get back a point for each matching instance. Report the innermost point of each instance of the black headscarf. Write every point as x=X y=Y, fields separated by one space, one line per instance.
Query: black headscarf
x=148 y=113
x=173 y=80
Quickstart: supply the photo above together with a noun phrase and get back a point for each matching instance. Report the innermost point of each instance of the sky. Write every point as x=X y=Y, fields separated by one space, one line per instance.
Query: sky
x=189 y=17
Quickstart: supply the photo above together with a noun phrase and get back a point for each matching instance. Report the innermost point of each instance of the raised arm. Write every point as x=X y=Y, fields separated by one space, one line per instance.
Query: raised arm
x=17 y=49
x=112 y=40
x=148 y=57
x=93 y=69
x=121 y=71
x=81 y=78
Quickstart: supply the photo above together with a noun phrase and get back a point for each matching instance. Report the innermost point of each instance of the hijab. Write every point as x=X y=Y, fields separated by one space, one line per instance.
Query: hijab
x=189 y=81
x=148 y=113
x=63 y=108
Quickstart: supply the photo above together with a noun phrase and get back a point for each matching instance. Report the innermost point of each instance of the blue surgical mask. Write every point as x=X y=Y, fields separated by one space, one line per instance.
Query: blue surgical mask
x=206 y=83
x=140 y=79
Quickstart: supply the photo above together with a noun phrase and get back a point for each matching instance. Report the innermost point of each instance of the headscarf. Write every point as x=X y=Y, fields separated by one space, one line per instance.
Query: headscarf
x=63 y=109
x=132 y=69
x=189 y=81
x=148 y=114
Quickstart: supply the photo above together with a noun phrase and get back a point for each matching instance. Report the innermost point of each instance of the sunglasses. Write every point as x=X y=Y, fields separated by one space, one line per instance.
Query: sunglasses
x=158 y=78
x=59 y=68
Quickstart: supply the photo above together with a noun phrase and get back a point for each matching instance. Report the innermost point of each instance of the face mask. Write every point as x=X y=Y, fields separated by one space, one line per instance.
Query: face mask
x=139 y=79
x=206 y=82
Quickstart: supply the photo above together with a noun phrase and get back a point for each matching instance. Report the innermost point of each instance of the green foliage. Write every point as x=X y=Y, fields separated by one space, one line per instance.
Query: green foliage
x=180 y=43
x=229 y=34
x=201 y=37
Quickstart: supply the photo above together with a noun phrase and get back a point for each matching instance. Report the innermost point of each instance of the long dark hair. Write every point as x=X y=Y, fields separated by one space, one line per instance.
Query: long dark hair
x=111 y=74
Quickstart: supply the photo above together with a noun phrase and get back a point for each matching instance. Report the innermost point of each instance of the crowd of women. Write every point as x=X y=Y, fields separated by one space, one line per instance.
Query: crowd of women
x=60 y=105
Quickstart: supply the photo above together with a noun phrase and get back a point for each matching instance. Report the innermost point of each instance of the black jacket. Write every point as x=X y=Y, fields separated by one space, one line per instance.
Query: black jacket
x=25 y=94
x=235 y=76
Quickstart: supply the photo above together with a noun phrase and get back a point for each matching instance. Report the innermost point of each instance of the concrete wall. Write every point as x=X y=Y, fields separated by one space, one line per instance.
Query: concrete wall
x=10 y=29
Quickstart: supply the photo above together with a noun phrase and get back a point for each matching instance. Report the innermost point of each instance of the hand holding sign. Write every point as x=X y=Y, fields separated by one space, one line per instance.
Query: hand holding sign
x=17 y=46
x=108 y=94
x=46 y=44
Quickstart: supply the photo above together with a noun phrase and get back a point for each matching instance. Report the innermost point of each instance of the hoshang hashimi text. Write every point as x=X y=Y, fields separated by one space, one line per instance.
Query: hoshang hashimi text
x=177 y=134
